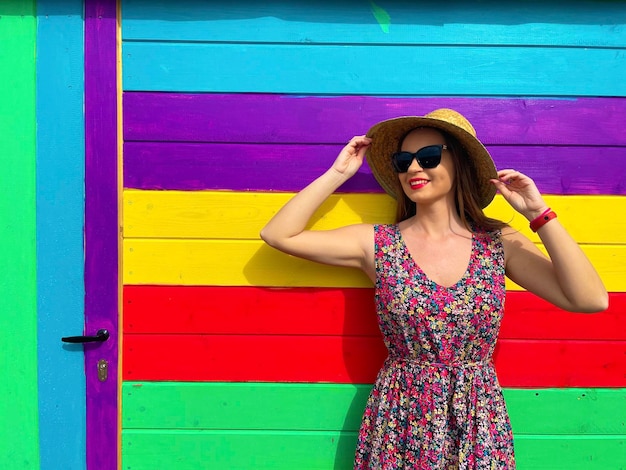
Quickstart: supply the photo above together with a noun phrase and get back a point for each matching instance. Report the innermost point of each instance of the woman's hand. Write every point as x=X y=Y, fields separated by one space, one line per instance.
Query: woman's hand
x=351 y=156
x=520 y=191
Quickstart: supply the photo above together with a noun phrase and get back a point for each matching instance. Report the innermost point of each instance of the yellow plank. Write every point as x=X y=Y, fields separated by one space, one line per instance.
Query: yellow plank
x=225 y=263
x=239 y=215
x=252 y=263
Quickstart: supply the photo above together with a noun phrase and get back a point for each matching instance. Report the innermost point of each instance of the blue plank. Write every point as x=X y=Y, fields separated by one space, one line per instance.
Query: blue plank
x=587 y=23
x=373 y=70
x=60 y=176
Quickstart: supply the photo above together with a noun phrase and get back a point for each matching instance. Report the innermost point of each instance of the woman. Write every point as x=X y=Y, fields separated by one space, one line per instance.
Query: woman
x=439 y=277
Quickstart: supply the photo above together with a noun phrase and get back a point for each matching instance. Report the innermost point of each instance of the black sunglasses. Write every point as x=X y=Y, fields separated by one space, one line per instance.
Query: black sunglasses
x=427 y=157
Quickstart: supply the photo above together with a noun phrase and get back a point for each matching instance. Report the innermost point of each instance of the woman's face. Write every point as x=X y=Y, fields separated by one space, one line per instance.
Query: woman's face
x=426 y=186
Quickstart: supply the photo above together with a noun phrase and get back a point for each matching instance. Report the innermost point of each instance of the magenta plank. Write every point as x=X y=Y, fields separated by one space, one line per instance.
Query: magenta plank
x=256 y=118
x=290 y=167
x=101 y=231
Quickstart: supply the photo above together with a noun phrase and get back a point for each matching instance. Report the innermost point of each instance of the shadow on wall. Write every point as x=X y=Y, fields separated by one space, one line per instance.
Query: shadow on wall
x=361 y=352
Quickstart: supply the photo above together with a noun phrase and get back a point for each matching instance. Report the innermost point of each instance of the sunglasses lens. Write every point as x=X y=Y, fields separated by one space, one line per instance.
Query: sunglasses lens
x=402 y=161
x=427 y=157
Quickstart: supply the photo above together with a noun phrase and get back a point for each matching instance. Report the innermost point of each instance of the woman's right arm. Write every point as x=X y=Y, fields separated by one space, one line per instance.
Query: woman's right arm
x=347 y=246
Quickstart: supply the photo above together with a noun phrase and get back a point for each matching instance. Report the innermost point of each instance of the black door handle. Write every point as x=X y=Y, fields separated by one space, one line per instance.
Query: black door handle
x=101 y=336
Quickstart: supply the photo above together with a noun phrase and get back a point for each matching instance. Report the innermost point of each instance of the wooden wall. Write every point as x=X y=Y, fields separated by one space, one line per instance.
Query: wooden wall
x=42 y=386
x=18 y=287
x=236 y=356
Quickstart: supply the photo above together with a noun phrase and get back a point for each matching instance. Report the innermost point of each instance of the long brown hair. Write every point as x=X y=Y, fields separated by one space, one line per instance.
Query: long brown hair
x=465 y=196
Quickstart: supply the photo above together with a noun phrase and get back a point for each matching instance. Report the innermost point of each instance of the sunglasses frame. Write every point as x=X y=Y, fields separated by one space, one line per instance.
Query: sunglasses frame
x=420 y=158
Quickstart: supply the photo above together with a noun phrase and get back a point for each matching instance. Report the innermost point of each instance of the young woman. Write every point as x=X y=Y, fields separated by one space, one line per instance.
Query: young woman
x=439 y=278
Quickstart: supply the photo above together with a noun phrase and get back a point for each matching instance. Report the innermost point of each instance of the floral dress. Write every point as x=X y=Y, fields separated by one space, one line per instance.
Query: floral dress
x=436 y=403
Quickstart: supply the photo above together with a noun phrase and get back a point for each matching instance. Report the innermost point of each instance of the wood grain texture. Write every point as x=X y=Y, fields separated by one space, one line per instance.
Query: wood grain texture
x=315 y=22
x=338 y=69
x=355 y=359
x=290 y=167
x=339 y=407
x=18 y=278
x=101 y=229
x=334 y=312
x=253 y=263
x=250 y=450
x=60 y=230
x=270 y=118
x=242 y=215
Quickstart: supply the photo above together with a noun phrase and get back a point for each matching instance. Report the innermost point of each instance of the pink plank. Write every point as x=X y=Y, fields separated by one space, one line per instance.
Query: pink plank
x=101 y=230
x=256 y=118
x=290 y=167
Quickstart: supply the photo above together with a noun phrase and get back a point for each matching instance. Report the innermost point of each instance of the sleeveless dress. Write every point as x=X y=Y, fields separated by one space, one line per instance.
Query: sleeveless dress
x=437 y=403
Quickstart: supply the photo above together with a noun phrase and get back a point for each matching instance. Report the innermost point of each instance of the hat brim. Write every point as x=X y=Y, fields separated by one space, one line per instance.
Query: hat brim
x=386 y=139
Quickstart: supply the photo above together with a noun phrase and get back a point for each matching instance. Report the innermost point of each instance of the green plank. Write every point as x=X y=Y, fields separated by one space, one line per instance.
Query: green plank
x=18 y=294
x=570 y=453
x=575 y=411
x=243 y=406
x=182 y=450
x=192 y=450
x=338 y=407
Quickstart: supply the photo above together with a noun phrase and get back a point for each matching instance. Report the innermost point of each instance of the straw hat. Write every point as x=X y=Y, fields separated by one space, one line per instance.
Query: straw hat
x=387 y=137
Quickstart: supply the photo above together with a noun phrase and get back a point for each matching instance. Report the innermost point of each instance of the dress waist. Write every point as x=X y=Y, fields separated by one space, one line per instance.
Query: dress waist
x=444 y=365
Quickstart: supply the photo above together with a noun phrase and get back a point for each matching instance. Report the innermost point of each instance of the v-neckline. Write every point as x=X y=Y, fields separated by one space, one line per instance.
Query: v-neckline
x=419 y=269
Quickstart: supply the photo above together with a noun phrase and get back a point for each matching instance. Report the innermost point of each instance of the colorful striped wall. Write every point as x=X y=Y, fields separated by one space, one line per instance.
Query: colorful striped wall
x=237 y=356
x=42 y=385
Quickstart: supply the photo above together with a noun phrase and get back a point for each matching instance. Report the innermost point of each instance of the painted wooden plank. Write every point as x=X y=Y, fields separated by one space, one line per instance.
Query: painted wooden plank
x=283 y=119
x=253 y=263
x=338 y=69
x=583 y=23
x=18 y=278
x=235 y=358
x=350 y=312
x=249 y=310
x=355 y=359
x=290 y=167
x=532 y=363
x=200 y=262
x=547 y=453
x=529 y=317
x=242 y=215
x=339 y=407
x=60 y=223
x=190 y=450
x=101 y=229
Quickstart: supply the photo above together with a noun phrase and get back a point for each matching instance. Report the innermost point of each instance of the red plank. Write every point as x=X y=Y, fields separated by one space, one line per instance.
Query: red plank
x=318 y=311
x=530 y=317
x=249 y=310
x=561 y=364
x=355 y=360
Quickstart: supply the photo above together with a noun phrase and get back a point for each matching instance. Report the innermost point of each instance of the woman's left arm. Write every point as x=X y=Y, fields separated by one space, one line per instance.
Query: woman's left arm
x=567 y=278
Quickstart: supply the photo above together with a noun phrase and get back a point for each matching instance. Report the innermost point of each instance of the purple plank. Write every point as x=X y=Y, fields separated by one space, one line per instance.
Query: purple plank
x=256 y=118
x=101 y=231
x=290 y=167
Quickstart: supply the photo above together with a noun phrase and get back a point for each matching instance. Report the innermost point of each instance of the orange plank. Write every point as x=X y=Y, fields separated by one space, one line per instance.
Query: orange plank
x=334 y=311
x=349 y=359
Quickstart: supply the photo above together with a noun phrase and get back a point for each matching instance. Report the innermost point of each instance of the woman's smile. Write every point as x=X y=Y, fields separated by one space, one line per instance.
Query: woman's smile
x=418 y=183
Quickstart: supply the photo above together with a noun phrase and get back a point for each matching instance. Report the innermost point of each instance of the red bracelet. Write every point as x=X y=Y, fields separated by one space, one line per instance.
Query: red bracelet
x=543 y=219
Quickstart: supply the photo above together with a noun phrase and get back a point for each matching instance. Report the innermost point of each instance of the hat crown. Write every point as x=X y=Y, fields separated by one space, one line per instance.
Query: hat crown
x=452 y=117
